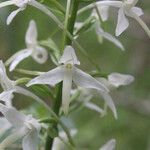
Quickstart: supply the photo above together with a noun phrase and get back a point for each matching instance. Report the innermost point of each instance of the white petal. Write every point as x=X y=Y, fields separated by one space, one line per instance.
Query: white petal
x=7 y=95
x=110 y=103
x=3 y=74
x=117 y=79
x=30 y=141
x=6 y=3
x=66 y=91
x=122 y=23
x=5 y=82
x=31 y=34
x=104 y=12
x=12 y=15
x=18 y=58
x=4 y=125
x=9 y=140
x=104 y=81
x=110 y=145
x=40 y=54
x=138 y=11
x=51 y=77
x=78 y=25
x=110 y=38
x=109 y=3
x=13 y=116
x=131 y=3
x=69 y=56
x=83 y=79
x=94 y=107
x=101 y=3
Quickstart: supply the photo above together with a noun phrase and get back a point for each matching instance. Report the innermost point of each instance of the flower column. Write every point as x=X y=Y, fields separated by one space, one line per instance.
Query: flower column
x=72 y=8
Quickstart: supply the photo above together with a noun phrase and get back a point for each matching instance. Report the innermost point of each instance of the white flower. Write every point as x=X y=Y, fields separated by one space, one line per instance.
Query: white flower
x=21 y=4
x=38 y=53
x=126 y=8
x=67 y=73
x=117 y=79
x=10 y=87
x=25 y=126
x=110 y=145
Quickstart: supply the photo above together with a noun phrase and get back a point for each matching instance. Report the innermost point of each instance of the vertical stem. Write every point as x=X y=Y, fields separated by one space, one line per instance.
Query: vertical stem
x=75 y=5
x=56 y=108
x=69 y=24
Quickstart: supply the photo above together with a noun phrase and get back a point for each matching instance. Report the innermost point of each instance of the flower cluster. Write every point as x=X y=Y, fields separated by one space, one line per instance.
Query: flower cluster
x=72 y=78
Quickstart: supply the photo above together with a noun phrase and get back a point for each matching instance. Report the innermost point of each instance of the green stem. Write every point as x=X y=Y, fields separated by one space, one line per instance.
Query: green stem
x=69 y=25
x=56 y=108
x=75 y=5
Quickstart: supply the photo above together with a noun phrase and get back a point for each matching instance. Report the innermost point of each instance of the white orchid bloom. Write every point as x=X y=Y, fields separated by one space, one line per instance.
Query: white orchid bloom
x=110 y=145
x=67 y=73
x=11 y=87
x=117 y=79
x=126 y=8
x=26 y=127
x=38 y=53
x=58 y=143
x=21 y=4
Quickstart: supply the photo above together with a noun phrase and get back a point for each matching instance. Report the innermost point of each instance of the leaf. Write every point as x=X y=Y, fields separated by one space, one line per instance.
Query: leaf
x=86 y=26
x=55 y=5
x=55 y=53
x=42 y=90
x=52 y=45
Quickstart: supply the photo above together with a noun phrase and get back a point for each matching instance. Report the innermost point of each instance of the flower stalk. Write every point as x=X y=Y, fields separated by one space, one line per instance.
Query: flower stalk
x=69 y=26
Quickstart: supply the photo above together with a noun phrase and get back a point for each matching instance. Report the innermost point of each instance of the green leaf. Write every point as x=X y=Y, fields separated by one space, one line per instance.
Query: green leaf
x=55 y=5
x=42 y=90
x=55 y=52
x=86 y=26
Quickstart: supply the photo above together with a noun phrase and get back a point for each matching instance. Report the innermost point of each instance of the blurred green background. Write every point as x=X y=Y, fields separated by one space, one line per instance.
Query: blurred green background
x=132 y=129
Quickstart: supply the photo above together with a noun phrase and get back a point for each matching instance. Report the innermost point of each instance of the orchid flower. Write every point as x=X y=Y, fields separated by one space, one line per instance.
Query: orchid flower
x=67 y=72
x=21 y=4
x=26 y=127
x=126 y=8
x=10 y=87
x=116 y=80
x=110 y=145
x=38 y=53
